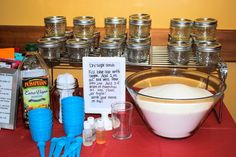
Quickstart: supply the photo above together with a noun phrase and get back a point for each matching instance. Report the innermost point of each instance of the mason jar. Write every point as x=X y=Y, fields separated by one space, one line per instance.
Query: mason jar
x=179 y=52
x=195 y=44
x=208 y=54
x=205 y=29
x=65 y=85
x=121 y=40
x=55 y=26
x=110 y=48
x=62 y=41
x=115 y=27
x=139 y=16
x=91 y=42
x=49 y=48
x=84 y=26
x=138 y=52
x=180 y=29
x=77 y=49
x=139 y=28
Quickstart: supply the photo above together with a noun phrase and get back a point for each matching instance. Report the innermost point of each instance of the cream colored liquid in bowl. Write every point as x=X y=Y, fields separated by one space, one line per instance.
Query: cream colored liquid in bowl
x=174 y=119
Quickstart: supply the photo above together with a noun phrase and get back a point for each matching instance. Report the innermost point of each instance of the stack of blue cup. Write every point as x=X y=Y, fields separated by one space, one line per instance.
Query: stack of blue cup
x=40 y=124
x=73 y=115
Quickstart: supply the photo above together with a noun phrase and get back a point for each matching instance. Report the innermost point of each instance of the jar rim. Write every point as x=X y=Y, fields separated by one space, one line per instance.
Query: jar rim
x=76 y=43
x=179 y=46
x=54 y=19
x=137 y=21
x=209 y=47
x=47 y=43
x=204 y=22
x=181 y=22
x=84 y=20
x=115 y=20
x=140 y=40
x=109 y=44
x=139 y=16
x=135 y=45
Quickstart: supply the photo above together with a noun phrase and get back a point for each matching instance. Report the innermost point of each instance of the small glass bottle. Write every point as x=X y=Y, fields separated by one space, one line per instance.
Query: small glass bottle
x=100 y=132
x=91 y=121
x=55 y=26
x=208 y=54
x=205 y=29
x=139 y=28
x=110 y=48
x=35 y=82
x=77 y=49
x=115 y=27
x=84 y=26
x=180 y=29
x=87 y=134
x=179 y=52
x=66 y=85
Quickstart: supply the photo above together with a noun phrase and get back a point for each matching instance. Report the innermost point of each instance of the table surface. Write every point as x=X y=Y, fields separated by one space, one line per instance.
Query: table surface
x=210 y=140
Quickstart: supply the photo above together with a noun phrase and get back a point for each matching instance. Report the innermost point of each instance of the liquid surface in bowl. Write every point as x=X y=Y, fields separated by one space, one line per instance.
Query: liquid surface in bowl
x=174 y=118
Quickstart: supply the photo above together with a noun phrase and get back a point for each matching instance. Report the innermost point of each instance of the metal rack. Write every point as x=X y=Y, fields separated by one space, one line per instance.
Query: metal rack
x=158 y=59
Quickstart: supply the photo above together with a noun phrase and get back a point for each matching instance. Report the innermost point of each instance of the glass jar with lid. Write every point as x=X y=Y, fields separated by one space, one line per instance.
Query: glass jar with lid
x=179 y=52
x=91 y=42
x=121 y=40
x=84 y=26
x=180 y=29
x=205 y=28
x=138 y=52
x=62 y=41
x=139 y=27
x=115 y=27
x=55 y=26
x=65 y=85
x=110 y=48
x=208 y=54
x=49 y=48
x=77 y=49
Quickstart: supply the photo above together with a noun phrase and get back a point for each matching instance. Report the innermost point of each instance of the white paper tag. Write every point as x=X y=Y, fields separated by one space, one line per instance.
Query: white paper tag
x=5 y=97
x=104 y=83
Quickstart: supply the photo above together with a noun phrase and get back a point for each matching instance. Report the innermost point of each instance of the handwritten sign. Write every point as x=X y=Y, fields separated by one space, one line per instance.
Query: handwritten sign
x=8 y=97
x=104 y=83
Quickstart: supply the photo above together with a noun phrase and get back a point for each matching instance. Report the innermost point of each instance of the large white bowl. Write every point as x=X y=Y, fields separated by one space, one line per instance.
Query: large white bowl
x=174 y=117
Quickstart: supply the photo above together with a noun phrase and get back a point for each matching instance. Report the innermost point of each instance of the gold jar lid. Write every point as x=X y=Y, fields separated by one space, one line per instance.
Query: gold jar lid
x=55 y=19
x=115 y=20
x=205 y=22
x=180 y=22
x=84 y=20
x=139 y=16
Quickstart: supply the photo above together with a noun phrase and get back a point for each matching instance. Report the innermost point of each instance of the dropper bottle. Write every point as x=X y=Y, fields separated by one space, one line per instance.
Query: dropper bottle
x=91 y=121
x=100 y=132
x=87 y=134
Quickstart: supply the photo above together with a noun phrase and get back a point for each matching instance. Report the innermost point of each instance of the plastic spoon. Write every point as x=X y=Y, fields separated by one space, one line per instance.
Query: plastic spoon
x=61 y=143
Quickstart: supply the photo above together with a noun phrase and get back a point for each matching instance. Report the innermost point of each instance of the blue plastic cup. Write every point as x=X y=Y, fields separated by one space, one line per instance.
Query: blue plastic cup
x=73 y=115
x=40 y=124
